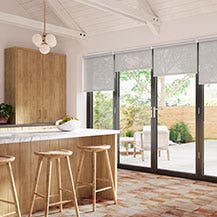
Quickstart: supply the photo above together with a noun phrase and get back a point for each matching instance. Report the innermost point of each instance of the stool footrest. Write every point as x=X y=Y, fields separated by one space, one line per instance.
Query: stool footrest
x=60 y=202
x=7 y=201
x=103 y=189
x=8 y=214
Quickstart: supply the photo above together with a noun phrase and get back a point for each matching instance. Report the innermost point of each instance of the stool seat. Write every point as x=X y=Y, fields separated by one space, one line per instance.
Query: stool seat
x=6 y=159
x=96 y=148
x=54 y=154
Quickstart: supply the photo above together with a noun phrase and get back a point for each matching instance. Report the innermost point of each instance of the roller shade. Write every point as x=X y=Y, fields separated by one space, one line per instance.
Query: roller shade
x=173 y=60
x=208 y=62
x=133 y=60
x=98 y=73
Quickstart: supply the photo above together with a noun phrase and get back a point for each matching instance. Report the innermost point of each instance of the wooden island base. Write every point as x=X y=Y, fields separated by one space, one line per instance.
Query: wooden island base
x=24 y=169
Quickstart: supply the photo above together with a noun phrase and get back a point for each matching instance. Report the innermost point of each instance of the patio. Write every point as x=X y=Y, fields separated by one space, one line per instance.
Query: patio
x=182 y=158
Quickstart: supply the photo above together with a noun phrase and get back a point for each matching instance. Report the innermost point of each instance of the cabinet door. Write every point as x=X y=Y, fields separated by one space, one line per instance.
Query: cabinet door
x=28 y=87
x=54 y=87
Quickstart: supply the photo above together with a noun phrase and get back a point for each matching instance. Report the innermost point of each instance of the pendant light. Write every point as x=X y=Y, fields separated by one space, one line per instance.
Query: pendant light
x=46 y=40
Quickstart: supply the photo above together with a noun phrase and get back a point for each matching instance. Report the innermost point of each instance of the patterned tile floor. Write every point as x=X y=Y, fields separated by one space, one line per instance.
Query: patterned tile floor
x=149 y=195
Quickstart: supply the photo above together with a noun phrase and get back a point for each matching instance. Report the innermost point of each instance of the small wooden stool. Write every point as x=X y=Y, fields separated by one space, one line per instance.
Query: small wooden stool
x=94 y=150
x=53 y=155
x=6 y=160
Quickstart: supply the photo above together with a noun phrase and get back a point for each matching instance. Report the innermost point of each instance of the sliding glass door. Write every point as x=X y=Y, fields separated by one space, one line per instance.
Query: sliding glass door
x=135 y=114
x=103 y=109
x=176 y=122
x=208 y=78
x=210 y=129
x=164 y=104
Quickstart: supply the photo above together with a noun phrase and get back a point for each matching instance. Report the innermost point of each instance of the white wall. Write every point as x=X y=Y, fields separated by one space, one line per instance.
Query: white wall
x=76 y=99
x=13 y=36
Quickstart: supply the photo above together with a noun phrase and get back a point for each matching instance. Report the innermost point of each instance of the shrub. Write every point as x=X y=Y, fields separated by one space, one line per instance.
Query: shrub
x=179 y=132
x=5 y=111
x=129 y=133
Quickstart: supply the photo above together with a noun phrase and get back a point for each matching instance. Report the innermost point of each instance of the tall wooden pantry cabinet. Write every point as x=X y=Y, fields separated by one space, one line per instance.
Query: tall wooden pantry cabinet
x=35 y=85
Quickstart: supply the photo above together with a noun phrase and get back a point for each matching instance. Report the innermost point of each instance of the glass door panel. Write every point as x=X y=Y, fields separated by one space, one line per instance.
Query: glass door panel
x=176 y=122
x=210 y=129
x=135 y=113
x=103 y=110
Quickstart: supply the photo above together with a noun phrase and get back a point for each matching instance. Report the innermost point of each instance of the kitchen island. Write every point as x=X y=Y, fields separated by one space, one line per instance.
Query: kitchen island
x=23 y=144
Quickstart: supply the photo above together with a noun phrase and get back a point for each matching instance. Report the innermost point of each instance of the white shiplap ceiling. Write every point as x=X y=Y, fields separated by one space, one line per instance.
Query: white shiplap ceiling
x=99 y=16
x=34 y=9
x=177 y=9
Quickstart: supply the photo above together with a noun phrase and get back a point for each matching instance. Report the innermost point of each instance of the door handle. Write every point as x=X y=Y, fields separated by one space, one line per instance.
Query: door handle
x=154 y=109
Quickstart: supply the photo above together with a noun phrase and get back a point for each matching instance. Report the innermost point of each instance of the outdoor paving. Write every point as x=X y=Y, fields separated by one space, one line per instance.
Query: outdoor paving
x=182 y=158
x=150 y=195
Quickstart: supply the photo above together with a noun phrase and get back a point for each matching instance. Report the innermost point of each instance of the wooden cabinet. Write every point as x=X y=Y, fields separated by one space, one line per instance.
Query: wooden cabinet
x=35 y=85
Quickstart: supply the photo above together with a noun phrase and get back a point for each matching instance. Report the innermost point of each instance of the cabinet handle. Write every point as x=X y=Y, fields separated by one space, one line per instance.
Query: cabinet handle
x=45 y=114
x=39 y=114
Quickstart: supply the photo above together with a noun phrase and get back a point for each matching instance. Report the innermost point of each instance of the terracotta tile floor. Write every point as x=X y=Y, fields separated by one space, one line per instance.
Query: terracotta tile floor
x=149 y=195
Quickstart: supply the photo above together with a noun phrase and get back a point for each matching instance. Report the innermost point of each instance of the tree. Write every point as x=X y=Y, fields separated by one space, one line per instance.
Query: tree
x=103 y=113
x=140 y=92
x=135 y=99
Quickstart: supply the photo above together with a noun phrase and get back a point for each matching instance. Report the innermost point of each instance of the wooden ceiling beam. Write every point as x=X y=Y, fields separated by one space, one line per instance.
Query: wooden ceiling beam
x=34 y=25
x=145 y=7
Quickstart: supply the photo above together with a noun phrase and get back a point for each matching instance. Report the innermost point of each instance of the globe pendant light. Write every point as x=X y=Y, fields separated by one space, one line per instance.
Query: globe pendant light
x=44 y=41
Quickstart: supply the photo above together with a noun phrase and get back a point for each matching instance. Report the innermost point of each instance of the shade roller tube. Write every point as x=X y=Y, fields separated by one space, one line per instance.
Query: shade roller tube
x=98 y=73
x=173 y=60
x=208 y=62
x=133 y=60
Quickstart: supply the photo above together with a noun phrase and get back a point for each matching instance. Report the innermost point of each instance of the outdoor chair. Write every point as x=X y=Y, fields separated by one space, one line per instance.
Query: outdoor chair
x=142 y=141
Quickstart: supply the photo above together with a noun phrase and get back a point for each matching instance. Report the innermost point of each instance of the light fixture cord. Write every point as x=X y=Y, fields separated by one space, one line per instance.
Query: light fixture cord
x=44 y=17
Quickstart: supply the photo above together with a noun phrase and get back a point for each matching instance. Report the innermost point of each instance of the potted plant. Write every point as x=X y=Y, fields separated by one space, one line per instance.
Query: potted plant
x=5 y=113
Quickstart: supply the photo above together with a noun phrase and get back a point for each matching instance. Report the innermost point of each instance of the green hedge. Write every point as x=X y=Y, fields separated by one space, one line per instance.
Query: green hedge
x=179 y=132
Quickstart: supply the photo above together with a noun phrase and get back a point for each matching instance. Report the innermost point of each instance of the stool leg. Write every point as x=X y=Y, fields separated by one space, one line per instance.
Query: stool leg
x=59 y=183
x=14 y=190
x=94 y=182
x=111 y=176
x=49 y=171
x=80 y=165
x=73 y=187
x=38 y=172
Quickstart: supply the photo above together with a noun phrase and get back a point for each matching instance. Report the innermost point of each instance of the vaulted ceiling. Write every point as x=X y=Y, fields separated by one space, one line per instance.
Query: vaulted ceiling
x=95 y=17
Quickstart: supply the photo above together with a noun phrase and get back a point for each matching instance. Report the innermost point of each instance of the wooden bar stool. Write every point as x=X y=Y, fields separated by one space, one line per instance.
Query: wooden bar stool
x=94 y=150
x=53 y=155
x=6 y=160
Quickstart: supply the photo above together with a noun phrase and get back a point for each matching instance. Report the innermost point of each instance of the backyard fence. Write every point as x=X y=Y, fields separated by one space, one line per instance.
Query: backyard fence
x=171 y=115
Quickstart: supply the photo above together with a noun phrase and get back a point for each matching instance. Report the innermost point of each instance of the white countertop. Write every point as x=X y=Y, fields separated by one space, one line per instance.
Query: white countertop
x=50 y=134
